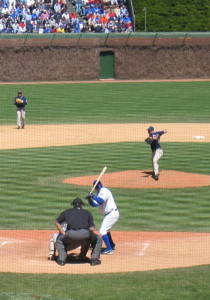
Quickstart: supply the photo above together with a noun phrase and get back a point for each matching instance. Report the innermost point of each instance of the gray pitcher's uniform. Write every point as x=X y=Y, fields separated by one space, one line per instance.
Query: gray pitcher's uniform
x=78 y=233
x=20 y=102
x=157 y=152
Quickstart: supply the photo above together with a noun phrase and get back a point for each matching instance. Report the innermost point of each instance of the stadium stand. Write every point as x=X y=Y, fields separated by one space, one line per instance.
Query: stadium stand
x=64 y=16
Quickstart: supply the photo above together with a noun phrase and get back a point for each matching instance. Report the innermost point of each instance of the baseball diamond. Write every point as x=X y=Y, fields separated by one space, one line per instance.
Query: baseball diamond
x=140 y=246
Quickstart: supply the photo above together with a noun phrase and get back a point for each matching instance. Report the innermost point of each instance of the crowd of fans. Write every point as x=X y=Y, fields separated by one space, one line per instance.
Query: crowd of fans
x=53 y=16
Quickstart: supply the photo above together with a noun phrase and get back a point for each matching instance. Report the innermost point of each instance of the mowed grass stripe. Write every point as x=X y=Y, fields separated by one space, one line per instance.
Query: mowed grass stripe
x=110 y=102
x=38 y=195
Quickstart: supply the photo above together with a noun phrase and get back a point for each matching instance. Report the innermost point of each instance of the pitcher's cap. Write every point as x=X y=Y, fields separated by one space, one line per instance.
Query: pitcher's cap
x=151 y=128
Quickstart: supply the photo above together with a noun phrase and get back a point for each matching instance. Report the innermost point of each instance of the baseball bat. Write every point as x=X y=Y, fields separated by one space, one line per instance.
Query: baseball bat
x=98 y=179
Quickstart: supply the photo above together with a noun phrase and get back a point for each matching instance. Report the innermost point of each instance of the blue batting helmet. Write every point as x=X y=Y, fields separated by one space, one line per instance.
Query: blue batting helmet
x=99 y=184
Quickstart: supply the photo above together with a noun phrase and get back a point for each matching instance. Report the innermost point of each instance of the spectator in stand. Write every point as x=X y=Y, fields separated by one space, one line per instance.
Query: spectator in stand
x=53 y=30
x=15 y=26
x=67 y=28
x=126 y=18
x=47 y=4
x=19 y=16
x=5 y=11
x=61 y=29
x=83 y=7
x=22 y=27
x=29 y=27
x=123 y=10
x=104 y=19
x=78 y=7
x=73 y=17
x=47 y=28
x=98 y=27
x=57 y=8
x=40 y=29
x=113 y=2
x=44 y=15
x=117 y=11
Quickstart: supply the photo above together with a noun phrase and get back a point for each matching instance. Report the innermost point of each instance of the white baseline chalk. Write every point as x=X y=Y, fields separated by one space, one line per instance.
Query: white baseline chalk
x=4 y=243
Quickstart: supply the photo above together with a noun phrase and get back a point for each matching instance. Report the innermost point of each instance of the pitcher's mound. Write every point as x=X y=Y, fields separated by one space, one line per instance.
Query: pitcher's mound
x=144 y=180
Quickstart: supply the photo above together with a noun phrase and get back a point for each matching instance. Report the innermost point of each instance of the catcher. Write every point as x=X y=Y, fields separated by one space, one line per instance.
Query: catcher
x=52 y=248
x=154 y=141
x=20 y=102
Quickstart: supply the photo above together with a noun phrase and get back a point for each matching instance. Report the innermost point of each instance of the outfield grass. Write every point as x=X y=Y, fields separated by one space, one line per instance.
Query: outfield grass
x=32 y=193
x=110 y=102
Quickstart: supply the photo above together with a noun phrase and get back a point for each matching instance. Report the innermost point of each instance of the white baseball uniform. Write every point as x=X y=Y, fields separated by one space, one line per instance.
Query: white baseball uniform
x=109 y=209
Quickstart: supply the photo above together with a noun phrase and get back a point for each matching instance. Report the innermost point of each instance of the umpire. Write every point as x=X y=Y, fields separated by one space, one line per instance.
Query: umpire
x=80 y=232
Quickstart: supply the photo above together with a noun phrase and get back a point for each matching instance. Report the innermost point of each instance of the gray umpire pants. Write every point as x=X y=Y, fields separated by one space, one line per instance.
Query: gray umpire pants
x=75 y=238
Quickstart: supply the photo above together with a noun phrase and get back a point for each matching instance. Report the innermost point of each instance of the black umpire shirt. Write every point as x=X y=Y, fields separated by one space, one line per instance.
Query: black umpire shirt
x=76 y=218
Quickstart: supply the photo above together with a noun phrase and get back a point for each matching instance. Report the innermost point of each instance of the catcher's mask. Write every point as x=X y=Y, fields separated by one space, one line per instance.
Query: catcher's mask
x=77 y=202
x=19 y=92
x=99 y=184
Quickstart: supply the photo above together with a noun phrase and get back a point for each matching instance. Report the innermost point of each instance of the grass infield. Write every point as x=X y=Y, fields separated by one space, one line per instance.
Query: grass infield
x=32 y=193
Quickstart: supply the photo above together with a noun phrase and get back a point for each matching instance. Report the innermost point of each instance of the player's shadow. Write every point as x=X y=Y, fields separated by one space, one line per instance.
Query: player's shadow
x=73 y=258
x=148 y=173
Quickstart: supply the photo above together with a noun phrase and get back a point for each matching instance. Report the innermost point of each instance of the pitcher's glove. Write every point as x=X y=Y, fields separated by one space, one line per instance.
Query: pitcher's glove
x=148 y=140
x=18 y=101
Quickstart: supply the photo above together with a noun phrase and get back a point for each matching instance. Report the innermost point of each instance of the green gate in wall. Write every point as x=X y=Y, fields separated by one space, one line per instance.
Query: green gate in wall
x=107 y=65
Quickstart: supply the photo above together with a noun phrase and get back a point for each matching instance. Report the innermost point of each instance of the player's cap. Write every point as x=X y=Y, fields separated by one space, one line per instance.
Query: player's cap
x=19 y=92
x=151 y=128
x=77 y=202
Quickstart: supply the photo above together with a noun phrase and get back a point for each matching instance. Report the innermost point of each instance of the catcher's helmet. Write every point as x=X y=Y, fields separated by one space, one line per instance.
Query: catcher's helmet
x=77 y=202
x=19 y=92
x=99 y=184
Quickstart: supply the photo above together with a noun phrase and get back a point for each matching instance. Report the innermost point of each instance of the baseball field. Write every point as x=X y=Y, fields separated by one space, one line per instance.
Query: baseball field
x=73 y=130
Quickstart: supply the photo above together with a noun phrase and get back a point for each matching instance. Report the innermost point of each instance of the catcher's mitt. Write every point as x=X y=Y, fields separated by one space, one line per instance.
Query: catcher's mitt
x=148 y=140
x=18 y=101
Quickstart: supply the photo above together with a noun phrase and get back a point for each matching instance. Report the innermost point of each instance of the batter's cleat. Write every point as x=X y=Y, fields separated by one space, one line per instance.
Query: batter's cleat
x=106 y=251
x=18 y=127
x=23 y=126
x=114 y=247
x=95 y=262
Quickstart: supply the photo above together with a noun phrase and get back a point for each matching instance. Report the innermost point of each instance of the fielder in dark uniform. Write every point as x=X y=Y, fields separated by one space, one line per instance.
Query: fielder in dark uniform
x=20 y=101
x=80 y=232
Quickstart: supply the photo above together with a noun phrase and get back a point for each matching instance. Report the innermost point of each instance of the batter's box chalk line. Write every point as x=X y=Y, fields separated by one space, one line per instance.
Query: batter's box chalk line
x=142 y=246
x=4 y=242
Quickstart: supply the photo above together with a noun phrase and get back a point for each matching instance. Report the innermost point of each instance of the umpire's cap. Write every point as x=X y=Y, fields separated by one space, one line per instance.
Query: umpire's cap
x=77 y=202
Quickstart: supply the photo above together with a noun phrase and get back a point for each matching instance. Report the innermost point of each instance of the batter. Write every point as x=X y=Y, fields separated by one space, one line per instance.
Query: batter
x=107 y=206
